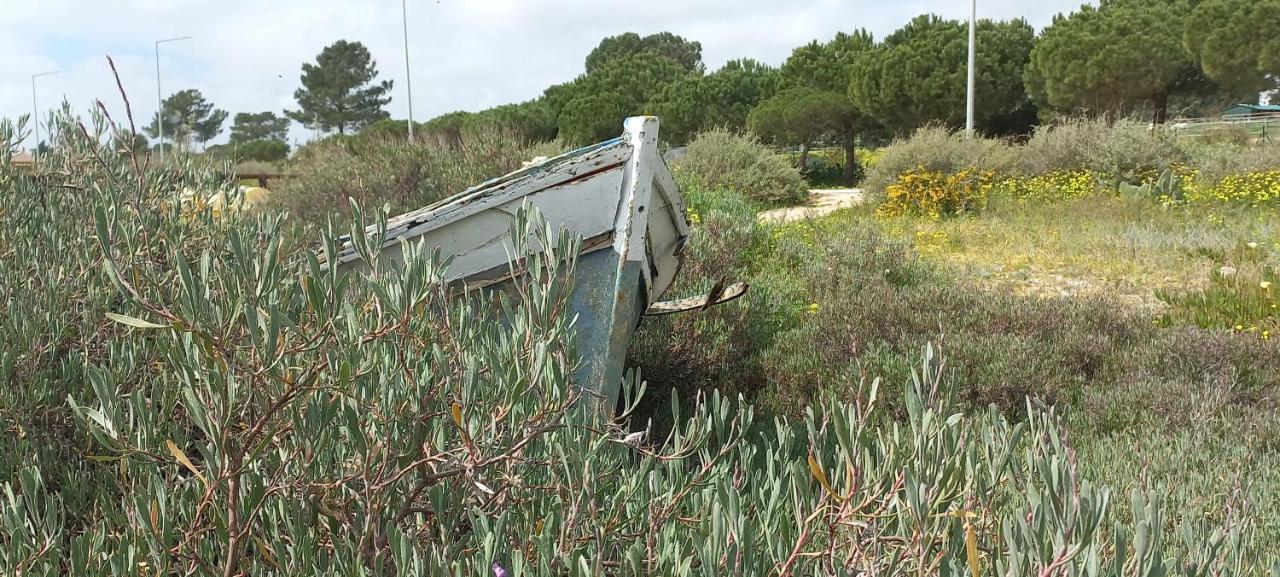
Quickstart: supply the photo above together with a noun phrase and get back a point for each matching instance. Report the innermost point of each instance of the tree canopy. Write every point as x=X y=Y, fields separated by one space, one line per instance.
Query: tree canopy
x=827 y=66
x=723 y=98
x=249 y=126
x=685 y=52
x=594 y=104
x=801 y=115
x=187 y=117
x=1236 y=42
x=1113 y=57
x=340 y=91
x=917 y=75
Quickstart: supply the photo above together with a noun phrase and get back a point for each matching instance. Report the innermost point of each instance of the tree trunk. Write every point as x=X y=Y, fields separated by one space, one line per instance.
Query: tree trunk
x=850 y=158
x=1160 y=106
x=804 y=156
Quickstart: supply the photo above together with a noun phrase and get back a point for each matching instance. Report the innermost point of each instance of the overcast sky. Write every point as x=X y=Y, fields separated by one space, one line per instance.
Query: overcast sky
x=465 y=54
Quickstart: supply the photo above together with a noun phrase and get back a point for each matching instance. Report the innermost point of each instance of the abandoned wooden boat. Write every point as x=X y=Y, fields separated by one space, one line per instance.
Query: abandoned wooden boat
x=619 y=197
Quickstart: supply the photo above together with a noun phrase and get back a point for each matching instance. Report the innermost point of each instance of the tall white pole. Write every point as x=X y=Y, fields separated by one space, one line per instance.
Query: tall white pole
x=973 y=24
x=408 y=84
x=35 y=112
x=159 y=99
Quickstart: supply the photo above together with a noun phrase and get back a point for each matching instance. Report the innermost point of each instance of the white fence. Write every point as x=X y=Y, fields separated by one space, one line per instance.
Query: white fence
x=1260 y=125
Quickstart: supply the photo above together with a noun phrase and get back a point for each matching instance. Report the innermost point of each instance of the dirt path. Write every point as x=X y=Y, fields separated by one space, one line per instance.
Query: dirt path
x=821 y=201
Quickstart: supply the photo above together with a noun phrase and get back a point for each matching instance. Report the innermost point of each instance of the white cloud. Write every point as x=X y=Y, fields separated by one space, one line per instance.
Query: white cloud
x=246 y=55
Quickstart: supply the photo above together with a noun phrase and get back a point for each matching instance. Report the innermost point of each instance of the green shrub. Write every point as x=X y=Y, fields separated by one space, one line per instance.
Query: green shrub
x=934 y=194
x=1126 y=151
x=385 y=169
x=198 y=396
x=263 y=150
x=826 y=169
x=1214 y=162
x=934 y=149
x=722 y=159
x=1233 y=301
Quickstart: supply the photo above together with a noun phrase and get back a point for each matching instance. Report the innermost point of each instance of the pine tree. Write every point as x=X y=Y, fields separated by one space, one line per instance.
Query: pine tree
x=187 y=117
x=339 y=91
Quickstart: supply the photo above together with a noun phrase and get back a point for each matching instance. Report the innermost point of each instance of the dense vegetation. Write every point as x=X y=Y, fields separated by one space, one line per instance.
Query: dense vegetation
x=203 y=395
x=1145 y=313
x=1054 y=357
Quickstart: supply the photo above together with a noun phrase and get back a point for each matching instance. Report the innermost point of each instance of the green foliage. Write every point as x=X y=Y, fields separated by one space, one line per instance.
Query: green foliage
x=594 y=105
x=188 y=117
x=1235 y=42
x=935 y=149
x=916 y=76
x=1241 y=296
x=686 y=53
x=135 y=142
x=826 y=168
x=827 y=66
x=721 y=99
x=382 y=169
x=1126 y=151
x=842 y=302
x=934 y=194
x=801 y=115
x=593 y=117
x=339 y=91
x=248 y=126
x=719 y=159
x=1216 y=161
x=1112 y=57
x=533 y=121
x=388 y=127
x=270 y=150
x=204 y=396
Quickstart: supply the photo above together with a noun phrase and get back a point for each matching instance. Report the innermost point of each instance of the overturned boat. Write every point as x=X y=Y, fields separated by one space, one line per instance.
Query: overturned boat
x=618 y=196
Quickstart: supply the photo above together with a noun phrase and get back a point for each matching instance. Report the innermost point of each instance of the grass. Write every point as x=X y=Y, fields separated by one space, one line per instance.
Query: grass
x=1097 y=245
x=1049 y=300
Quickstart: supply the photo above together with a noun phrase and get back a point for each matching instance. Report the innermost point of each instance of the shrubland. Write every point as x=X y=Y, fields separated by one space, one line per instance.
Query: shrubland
x=386 y=168
x=722 y=159
x=210 y=396
x=1043 y=291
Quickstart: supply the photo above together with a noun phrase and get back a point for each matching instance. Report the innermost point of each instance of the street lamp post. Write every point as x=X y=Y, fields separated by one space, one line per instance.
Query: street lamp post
x=159 y=100
x=404 y=18
x=35 y=111
x=973 y=23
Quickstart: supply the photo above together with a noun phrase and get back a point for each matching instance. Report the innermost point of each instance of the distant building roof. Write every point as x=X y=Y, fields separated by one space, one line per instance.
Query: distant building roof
x=1251 y=108
x=22 y=158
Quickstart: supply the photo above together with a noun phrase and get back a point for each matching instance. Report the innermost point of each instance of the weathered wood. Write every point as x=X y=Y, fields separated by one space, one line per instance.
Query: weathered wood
x=618 y=196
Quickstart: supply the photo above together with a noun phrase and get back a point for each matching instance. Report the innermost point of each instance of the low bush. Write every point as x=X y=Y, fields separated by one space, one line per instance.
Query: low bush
x=195 y=396
x=262 y=150
x=721 y=159
x=934 y=194
x=405 y=174
x=1050 y=186
x=1212 y=163
x=1237 y=135
x=935 y=150
x=1235 y=300
x=1126 y=151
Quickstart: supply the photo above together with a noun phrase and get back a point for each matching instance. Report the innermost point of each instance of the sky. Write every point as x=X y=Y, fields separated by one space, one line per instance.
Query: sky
x=246 y=55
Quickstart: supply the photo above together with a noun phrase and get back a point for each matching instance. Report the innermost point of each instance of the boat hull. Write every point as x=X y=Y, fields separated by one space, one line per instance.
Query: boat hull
x=617 y=196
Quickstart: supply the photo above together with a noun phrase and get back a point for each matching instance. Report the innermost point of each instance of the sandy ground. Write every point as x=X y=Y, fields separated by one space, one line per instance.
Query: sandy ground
x=821 y=201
